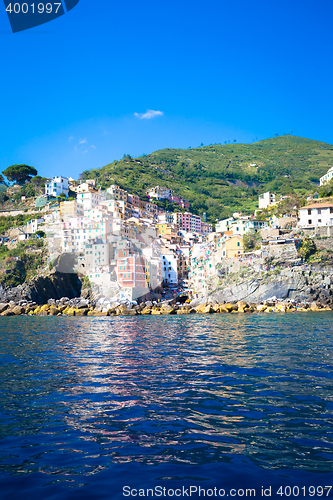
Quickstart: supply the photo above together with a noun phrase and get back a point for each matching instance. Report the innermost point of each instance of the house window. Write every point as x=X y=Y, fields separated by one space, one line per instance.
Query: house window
x=331 y=210
x=319 y=211
x=309 y=221
x=309 y=211
x=319 y=220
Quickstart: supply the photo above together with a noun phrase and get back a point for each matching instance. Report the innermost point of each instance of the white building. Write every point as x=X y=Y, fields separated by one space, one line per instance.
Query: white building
x=318 y=214
x=78 y=232
x=240 y=226
x=202 y=266
x=224 y=225
x=266 y=199
x=90 y=199
x=32 y=225
x=84 y=186
x=56 y=186
x=169 y=268
x=327 y=177
x=97 y=254
x=166 y=218
x=159 y=193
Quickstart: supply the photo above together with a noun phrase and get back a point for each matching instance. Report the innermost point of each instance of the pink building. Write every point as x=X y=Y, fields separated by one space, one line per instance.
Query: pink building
x=190 y=223
x=131 y=269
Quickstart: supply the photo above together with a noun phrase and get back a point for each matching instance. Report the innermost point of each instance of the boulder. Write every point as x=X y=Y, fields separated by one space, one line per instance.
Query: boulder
x=128 y=312
x=241 y=305
x=204 y=309
x=183 y=310
x=45 y=307
x=3 y=307
x=70 y=311
x=18 y=310
x=261 y=307
x=186 y=310
x=7 y=312
x=155 y=311
x=112 y=311
x=54 y=311
x=30 y=308
x=81 y=312
x=223 y=309
x=146 y=310
x=167 y=309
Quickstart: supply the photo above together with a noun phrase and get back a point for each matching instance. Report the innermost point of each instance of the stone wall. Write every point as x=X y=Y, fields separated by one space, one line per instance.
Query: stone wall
x=323 y=243
x=284 y=252
x=315 y=231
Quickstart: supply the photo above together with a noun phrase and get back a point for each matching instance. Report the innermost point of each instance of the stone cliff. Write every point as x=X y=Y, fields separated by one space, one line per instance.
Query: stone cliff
x=299 y=283
x=40 y=289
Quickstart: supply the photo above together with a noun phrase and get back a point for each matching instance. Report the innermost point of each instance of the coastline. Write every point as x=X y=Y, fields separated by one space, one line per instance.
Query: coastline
x=159 y=309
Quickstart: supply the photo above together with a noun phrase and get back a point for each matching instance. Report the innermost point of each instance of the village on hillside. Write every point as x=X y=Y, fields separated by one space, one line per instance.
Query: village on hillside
x=122 y=243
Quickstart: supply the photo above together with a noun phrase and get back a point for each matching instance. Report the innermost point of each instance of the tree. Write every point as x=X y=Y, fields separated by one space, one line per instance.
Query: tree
x=28 y=190
x=19 y=173
x=308 y=248
x=2 y=180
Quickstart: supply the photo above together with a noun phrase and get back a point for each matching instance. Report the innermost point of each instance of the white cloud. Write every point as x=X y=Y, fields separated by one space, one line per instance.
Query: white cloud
x=150 y=113
x=70 y=138
x=93 y=146
x=83 y=141
x=86 y=151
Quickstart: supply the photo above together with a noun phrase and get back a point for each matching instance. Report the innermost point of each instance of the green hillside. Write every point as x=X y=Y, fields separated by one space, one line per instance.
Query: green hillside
x=221 y=179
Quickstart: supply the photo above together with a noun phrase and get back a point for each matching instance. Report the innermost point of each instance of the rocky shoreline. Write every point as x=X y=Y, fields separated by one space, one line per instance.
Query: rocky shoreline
x=83 y=307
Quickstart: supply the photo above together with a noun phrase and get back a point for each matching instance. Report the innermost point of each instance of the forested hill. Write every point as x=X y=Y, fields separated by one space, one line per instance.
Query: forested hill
x=220 y=179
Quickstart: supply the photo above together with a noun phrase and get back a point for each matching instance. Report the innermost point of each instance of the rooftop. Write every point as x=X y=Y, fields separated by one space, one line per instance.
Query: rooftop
x=317 y=205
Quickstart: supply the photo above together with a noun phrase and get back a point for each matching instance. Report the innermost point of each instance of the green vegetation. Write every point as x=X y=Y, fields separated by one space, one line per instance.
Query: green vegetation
x=326 y=190
x=308 y=248
x=21 y=263
x=221 y=179
x=11 y=221
x=324 y=256
x=251 y=241
x=19 y=173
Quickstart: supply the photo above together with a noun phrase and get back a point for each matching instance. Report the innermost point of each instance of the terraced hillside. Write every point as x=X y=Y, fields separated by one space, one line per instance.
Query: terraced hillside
x=220 y=179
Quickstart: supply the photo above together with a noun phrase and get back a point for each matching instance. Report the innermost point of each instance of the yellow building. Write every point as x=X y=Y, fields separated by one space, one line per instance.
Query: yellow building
x=232 y=247
x=71 y=209
x=165 y=228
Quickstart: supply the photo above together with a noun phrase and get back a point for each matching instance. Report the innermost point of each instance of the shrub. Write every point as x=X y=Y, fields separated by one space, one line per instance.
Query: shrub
x=308 y=248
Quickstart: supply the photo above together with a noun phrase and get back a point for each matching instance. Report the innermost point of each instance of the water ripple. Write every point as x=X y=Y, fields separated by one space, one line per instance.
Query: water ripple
x=79 y=395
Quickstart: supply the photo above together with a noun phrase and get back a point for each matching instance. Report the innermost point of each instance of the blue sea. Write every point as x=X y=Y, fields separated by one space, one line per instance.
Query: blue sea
x=197 y=406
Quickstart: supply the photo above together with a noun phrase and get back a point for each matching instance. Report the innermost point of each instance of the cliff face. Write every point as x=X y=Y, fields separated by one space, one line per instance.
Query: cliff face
x=300 y=283
x=41 y=289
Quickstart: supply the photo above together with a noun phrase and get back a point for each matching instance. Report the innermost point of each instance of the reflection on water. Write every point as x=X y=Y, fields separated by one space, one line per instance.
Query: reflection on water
x=79 y=395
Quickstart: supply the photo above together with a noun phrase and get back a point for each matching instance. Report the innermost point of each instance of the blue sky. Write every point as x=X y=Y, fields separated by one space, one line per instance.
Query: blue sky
x=75 y=92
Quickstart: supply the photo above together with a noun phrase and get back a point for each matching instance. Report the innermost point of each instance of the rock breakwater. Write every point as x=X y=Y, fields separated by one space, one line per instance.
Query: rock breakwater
x=81 y=307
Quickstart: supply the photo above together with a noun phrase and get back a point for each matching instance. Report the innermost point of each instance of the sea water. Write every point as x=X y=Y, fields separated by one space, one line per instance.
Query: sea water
x=196 y=406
